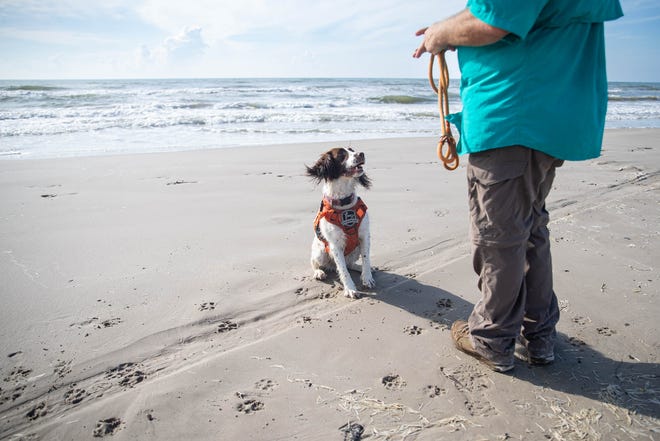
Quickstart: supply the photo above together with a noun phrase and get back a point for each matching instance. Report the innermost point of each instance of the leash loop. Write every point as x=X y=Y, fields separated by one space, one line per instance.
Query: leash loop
x=447 y=144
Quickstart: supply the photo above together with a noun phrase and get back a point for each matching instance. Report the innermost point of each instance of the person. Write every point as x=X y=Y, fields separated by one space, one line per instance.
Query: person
x=534 y=93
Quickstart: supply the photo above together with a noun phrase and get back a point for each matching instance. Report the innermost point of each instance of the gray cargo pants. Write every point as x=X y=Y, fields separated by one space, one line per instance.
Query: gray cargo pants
x=511 y=251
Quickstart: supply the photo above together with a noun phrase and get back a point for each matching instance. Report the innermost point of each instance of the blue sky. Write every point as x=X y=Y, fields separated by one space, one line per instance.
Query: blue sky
x=53 y=39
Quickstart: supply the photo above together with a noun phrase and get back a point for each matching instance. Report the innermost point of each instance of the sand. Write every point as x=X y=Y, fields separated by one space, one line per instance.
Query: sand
x=169 y=297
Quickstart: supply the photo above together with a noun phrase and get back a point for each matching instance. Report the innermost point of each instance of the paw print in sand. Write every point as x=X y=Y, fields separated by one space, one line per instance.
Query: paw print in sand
x=413 y=330
x=392 y=382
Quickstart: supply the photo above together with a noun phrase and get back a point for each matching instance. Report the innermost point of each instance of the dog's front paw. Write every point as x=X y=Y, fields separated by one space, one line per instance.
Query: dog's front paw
x=368 y=280
x=352 y=293
x=319 y=274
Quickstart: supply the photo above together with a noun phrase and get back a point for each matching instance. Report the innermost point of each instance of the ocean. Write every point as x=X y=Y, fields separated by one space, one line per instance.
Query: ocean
x=42 y=119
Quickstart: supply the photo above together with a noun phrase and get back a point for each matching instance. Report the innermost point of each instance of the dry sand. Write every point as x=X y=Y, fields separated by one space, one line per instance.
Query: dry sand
x=169 y=297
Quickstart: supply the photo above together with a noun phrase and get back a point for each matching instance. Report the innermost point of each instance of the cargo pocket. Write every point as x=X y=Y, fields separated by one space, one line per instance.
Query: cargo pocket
x=499 y=213
x=498 y=165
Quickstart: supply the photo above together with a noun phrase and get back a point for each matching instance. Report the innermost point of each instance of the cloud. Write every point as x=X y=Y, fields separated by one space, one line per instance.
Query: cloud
x=296 y=37
x=292 y=20
x=299 y=37
x=154 y=38
x=185 y=46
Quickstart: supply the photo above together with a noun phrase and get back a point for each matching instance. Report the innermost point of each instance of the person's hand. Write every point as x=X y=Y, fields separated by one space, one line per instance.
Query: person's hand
x=462 y=29
x=422 y=47
x=432 y=42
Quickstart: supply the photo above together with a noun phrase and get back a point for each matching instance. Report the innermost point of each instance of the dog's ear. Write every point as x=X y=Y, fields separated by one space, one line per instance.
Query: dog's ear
x=365 y=181
x=326 y=168
x=313 y=173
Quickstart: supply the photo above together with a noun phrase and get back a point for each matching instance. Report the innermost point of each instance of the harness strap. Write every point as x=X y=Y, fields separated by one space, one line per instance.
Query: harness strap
x=340 y=202
x=348 y=220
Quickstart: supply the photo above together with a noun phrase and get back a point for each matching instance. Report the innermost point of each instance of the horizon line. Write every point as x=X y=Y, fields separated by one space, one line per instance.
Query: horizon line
x=259 y=78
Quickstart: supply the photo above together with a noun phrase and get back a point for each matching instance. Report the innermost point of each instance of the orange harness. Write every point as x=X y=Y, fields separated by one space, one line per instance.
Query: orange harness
x=348 y=219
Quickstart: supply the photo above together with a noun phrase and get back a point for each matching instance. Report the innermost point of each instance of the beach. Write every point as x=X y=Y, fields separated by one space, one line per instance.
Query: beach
x=168 y=296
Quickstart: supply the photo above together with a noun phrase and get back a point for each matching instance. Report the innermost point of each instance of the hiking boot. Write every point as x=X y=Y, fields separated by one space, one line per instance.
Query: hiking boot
x=460 y=333
x=523 y=354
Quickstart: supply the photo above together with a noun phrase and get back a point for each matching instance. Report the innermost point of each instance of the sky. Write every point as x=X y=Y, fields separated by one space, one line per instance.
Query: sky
x=90 y=39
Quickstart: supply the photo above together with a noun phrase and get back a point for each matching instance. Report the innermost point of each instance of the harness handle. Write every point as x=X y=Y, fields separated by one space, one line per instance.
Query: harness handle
x=447 y=144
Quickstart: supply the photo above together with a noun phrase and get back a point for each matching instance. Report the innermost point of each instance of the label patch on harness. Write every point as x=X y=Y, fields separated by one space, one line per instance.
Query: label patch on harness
x=349 y=218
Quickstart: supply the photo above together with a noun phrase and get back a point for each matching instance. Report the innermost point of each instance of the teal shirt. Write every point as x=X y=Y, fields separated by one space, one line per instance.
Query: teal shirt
x=543 y=86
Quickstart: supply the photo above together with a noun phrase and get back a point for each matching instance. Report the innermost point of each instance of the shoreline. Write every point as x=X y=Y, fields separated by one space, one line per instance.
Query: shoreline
x=18 y=156
x=168 y=296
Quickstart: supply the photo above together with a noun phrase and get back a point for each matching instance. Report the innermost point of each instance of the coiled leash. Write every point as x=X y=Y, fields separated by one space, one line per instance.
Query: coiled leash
x=447 y=155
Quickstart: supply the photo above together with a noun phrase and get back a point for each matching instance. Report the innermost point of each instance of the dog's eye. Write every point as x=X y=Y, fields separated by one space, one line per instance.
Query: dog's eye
x=341 y=154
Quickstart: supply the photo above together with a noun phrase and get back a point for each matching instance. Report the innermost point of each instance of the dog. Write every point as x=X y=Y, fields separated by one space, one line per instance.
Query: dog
x=341 y=226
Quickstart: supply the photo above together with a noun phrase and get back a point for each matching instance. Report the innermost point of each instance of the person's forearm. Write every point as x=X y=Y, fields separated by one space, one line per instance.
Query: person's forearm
x=463 y=29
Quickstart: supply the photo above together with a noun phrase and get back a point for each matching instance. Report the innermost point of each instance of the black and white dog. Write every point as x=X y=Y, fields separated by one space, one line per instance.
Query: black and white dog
x=342 y=223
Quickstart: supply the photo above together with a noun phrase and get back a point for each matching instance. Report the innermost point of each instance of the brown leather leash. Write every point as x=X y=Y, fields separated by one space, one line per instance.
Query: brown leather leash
x=447 y=155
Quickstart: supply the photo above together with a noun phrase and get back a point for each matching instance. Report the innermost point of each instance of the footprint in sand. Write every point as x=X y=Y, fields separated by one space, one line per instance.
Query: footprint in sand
x=207 y=306
x=444 y=303
x=226 y=326
x=62 y=368
x=434 y=391
x=392 y=382
x=109 y=323
x=413 y=330
x=607 y=332
x=249 y=406
x=75 y=396
x=11 y=395
x=37 y=411
x=265 y=385
x=130 y=380
x=576 y=342
x=107 y=427
x=97 y=323
x=467 y=378
x=128 y=374
x=327 y=295
x=578 y=319
x=473 y=384
x=480 y=407
x=17 y=373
